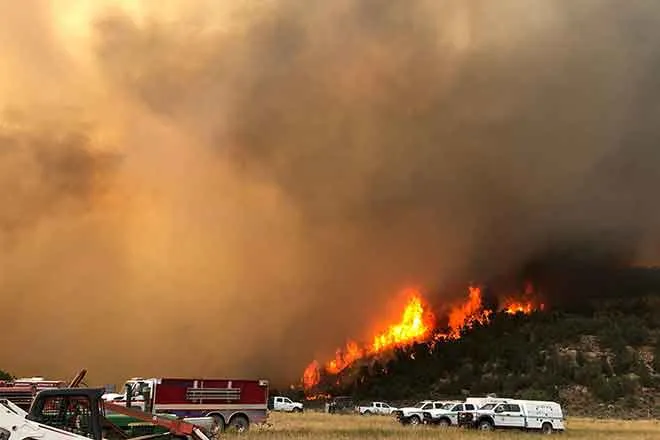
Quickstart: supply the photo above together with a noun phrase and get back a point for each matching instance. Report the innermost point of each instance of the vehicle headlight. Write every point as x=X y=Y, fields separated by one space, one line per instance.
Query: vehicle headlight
x=4 y=434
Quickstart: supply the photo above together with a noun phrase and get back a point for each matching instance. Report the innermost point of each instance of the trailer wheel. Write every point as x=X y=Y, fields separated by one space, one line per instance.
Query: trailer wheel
x=546 y=428
x=217 y=427
x=239 y=424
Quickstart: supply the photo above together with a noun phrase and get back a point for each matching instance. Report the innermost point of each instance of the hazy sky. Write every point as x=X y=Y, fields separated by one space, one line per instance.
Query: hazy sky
x=233 y=188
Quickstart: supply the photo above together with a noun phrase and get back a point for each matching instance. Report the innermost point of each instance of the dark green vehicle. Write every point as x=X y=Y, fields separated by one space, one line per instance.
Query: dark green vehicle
x=82 y=412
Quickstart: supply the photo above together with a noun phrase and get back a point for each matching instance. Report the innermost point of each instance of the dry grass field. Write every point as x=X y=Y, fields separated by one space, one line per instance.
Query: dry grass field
x=330 y=427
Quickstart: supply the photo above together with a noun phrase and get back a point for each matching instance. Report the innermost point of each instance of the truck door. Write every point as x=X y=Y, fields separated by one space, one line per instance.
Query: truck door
x=510 y=416
x=469 y=407
x=453 y=416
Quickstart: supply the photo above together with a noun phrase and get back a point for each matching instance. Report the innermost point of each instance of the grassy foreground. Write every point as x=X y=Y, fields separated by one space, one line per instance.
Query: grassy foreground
x=326 y=427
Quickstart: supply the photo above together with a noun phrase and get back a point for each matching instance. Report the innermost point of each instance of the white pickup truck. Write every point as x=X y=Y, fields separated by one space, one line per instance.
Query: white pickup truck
x=376 y=408
x=284 y=404
x=414 y=415
x=448 y=414
x=543 y=416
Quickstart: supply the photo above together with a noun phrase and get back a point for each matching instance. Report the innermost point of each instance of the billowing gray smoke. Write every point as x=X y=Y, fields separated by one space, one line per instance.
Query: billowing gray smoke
x=205 y=189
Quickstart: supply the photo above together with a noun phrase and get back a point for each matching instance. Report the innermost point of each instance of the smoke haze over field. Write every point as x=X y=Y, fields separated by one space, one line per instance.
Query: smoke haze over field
x=232 y=188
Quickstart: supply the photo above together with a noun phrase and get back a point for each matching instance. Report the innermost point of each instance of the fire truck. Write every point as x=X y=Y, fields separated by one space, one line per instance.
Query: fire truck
x=229 y=404
x=22 y=391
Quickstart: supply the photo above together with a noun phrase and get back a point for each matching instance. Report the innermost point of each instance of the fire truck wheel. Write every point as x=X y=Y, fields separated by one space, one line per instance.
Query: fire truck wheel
x=217 y=427
x=239 y=424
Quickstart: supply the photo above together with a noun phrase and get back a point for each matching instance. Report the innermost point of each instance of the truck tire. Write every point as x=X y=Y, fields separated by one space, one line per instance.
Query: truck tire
x=367 y=413
x=217 y=427
x=297 y=410
x=546 y=428
x=238 y=424
x=444 y=422
x=485 y=425
x=415 y=420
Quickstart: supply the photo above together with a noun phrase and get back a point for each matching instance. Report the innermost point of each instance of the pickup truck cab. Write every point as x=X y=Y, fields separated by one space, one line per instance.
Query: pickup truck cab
x=376 y=408
x=284 y=404
x=414 y=415
x=543 y=416
x=448 y=414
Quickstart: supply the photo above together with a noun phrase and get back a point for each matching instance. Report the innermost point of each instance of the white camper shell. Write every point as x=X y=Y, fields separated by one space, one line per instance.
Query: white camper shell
x=478 y=402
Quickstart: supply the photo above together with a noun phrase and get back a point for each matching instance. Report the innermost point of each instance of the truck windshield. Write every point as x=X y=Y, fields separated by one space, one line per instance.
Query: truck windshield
x=447 y=406
x=488 y=406
x=420 y=404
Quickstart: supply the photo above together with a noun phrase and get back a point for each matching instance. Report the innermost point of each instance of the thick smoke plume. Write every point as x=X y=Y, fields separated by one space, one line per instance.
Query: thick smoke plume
x=193 y=188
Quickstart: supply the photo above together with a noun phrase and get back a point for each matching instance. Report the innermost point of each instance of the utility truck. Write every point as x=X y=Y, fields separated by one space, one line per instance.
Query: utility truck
x=543 y=416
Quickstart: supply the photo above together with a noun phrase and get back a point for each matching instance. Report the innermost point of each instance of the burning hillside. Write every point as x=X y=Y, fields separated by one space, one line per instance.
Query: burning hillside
x=419 y=324
x=416 y=324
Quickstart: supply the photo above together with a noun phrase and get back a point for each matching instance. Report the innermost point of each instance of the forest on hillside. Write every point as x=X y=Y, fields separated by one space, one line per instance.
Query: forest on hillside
x=599 y=356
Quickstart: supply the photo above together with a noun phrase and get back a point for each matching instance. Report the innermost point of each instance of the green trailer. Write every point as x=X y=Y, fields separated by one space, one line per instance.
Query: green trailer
x=133 y=427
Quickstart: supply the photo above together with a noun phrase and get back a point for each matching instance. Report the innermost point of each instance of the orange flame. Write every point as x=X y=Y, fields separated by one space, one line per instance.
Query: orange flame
x=518 y=307
x=525 y=305
x=416 y=325
x=311 y=375
x=344 y=358
x=467 y=314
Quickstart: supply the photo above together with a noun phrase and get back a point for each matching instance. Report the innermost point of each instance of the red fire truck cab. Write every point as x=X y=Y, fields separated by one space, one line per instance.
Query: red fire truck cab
x=235 y=403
